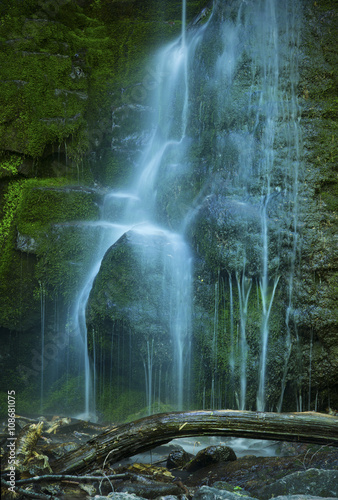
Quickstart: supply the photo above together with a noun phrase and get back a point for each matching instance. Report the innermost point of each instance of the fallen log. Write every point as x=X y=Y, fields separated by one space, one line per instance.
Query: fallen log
x=141 y=435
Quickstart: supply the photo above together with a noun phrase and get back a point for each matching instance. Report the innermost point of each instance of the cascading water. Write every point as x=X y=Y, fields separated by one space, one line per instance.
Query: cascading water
x=132 y=212
x=223 y=159
x=248 y=111
x=244 y=288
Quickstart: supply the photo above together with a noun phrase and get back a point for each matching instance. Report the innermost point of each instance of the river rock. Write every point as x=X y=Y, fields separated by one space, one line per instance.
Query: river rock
x=323 y=483
x=302 y=497
x=172 y=497
x=211 y=455
x=224 y=486
x=178 y=458
x=207 y=493
x=117 y=496
x=151 y=490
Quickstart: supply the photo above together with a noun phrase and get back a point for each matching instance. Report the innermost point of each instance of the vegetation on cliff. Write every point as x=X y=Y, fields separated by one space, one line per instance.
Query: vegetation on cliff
x=72 y=81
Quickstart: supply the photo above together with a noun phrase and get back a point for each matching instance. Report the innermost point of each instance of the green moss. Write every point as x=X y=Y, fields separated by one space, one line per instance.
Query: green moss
x=43 y=204
x=39 y=210
x=116 y=406
x=66 y=396
x=329 y=195
x=47 y=71
x=320 y=100
x=9 y=164
x=111 y=10
x=11 y=201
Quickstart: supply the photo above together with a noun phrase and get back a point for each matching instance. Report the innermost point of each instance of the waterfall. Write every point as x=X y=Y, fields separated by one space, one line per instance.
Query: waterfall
x=137 y=216
x=185 y=70
x=148 y=374
x=216 y=183
x=249 y=102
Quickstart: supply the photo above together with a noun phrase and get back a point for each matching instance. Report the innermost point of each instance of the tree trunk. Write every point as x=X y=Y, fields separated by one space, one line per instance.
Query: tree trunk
x=141 y=435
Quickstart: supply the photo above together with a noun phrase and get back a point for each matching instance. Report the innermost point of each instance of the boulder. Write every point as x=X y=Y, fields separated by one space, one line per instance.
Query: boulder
x=207 y=493
x=302 y=497
x=177 y=459
x=323 y=483
x=211 y=455
x=117 y=496
x=151 y=490
x=224 y=486
x=138 y=304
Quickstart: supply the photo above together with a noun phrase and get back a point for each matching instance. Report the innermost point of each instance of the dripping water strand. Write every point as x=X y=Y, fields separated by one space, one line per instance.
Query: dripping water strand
x=148 y=372
x=185 y=70
x=244 y=287
x=265 y=337
x=293 y=140
x=43 y=315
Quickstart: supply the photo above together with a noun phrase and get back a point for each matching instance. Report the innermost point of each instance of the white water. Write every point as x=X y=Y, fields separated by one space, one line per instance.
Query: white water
x=109 y=235
x=260 y=162
x=251 y=182
x=244 y=287
x=138 y=215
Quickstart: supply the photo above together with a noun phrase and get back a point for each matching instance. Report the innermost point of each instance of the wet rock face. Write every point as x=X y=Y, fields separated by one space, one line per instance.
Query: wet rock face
x=207 y=493
x=211 y=455
x=131 y=303
x=227 y=226
x=323 y=483
x=315 y=289
x=126 y=294
x=177 y=459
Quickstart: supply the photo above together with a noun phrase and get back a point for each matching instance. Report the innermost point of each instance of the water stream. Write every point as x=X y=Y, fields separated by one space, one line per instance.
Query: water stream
x=136 y=214
x=225 y=106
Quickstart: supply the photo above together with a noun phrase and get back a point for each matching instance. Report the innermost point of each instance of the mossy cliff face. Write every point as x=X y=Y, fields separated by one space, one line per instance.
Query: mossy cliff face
x=64 y=67
x=75 y=85
x=223 y=204
x=42 y=230
x=46 y=248
x=316 y=289
x=73 y=74
x=231 y=227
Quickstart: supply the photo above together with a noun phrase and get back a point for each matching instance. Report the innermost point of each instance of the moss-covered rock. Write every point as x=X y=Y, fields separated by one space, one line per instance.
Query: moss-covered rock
x=137 y=311
x=40 y=239
x=129 y=300
x=316 y=297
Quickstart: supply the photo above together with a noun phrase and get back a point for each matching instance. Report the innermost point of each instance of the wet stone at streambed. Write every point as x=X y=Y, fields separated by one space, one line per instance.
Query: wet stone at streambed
x=178 y=459
x=211 y=455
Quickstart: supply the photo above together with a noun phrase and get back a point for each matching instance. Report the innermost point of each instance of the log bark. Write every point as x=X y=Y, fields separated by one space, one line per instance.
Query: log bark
x=141 y=435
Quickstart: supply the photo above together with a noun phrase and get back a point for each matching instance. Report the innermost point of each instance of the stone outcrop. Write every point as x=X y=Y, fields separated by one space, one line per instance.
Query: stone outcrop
x=316 y=482
x=211 y=455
